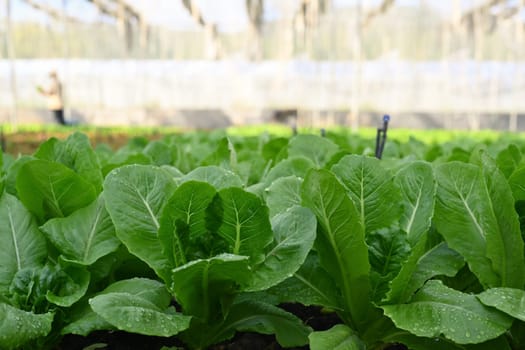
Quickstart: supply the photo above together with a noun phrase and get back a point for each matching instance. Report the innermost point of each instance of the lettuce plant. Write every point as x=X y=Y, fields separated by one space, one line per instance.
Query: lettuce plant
x=429 y=255
x=209 y=246
x=36 y=290
x=391 y=250
x=47 y=269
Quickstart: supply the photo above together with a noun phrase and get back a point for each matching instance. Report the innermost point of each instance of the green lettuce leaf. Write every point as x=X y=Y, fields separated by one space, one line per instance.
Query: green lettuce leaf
x=84 y=320
x=509 y=159
x=252 y=316
x=439 y=343
x=318 y=149
x=18 y=327
x=294 y=232
x=50 y=189
x=509 y=300
x=418 y=188
x=71 y=285
x=339 y=337
x=24 y=246
x=241 y=219
x=372 y=189
x=387 y=251
x=297 y=166
x=135 y=314
x=205 y=288
x=267 y=319
x=215 y=176
x=76 y=153
x=438 y=310
x=423 y=264
x=12 y=173
x=516 y=183
x=310 y=285
x=283 y=193
x=183 y=233
x=223 y=156
x=506 y=248
x=85 y=236
x=340 y=241
x=36 y=288
x=135 y=196
x=160 y=153
x=475 y=213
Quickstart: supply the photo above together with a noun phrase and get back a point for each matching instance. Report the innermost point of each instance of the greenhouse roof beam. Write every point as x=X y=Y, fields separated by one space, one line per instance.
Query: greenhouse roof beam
x=481 y=9
x=379 y=10
x=104 y=8
x=51 y=11
x=212 y=36
x=112 y=11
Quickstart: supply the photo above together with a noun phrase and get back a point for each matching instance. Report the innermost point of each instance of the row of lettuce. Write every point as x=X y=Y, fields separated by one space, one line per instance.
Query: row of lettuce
x=208 y=234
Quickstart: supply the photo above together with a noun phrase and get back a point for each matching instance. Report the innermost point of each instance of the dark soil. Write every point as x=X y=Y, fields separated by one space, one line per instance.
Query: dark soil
x=117 y=340
x=27 y=142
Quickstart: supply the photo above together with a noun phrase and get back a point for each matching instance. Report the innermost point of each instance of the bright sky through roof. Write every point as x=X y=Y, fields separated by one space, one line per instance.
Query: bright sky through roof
x=228 y=14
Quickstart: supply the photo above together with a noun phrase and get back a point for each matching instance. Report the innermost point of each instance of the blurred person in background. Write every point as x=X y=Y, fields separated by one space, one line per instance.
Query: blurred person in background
x=53 y=94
